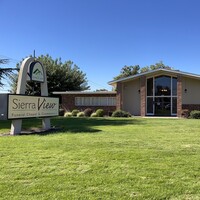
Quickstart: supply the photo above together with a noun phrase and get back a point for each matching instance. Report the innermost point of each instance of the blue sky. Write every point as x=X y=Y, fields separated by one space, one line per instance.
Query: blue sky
x=101 y=36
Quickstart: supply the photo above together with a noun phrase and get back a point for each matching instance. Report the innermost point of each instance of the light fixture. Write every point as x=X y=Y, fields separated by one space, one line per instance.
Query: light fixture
x=185 y=90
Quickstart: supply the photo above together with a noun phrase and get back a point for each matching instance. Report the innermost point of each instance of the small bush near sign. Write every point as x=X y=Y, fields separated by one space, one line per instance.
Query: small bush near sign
x=75 y=112
x=68 y=114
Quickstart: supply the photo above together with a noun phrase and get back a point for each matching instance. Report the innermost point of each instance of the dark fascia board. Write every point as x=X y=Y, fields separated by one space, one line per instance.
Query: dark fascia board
x=175 y=72
x=85 y=92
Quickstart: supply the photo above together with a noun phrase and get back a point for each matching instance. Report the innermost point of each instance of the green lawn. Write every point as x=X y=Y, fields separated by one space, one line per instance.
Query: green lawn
x=93 y=158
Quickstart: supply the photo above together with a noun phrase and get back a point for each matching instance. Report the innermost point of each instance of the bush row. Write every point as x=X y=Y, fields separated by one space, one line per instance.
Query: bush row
x=88 y=112
x=99 y=113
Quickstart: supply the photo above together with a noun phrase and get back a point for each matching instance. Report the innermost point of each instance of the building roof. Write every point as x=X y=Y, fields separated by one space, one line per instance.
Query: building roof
x=177 y=72
x=85 y=92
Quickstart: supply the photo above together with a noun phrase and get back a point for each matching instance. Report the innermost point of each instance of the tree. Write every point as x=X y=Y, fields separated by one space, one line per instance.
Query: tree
x=101 y=90
x=135 y=69
x=4 y=71
x=65 y=76
x=159 y=65
x=144 y=69
x=128 y=71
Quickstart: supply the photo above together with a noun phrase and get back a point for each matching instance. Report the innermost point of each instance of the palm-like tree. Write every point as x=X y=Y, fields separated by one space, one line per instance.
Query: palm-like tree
x=4 y=71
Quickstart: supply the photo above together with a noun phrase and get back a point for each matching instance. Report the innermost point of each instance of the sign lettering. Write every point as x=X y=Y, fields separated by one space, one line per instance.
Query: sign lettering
x=20 y=106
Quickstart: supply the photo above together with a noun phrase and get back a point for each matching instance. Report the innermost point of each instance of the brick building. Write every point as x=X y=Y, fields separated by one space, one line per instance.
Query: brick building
x=158 y=92
x=81 y=100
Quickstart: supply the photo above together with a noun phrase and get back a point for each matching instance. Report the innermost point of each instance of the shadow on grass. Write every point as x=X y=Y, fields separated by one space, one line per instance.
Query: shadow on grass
x=5 y=124
x=81 y=125
x=70 y=125
x=87 y=125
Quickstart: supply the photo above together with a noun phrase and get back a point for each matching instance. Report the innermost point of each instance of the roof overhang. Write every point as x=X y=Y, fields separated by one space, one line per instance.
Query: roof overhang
x=85 y=92
x=156 y=72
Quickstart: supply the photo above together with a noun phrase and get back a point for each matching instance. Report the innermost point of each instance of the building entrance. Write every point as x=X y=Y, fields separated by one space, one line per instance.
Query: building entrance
x=162 y=96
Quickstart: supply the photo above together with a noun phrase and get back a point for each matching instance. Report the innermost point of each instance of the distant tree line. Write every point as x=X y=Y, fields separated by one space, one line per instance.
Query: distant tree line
x=135 y=69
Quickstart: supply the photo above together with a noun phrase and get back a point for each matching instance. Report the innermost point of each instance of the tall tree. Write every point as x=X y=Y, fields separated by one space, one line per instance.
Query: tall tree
x=135 y=69
x=65 y=76
x=128 y=71
x=158 y=65
x=4 y=71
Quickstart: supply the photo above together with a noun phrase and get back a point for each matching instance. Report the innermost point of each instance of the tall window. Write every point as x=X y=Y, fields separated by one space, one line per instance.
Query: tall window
x=163 y=86
x=162 y=95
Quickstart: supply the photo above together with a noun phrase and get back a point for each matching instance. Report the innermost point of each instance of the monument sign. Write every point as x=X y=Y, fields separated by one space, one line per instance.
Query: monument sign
x=22 y=106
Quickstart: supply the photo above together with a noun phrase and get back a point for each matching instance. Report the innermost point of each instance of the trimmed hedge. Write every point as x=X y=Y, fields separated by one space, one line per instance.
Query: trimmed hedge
x=81 y=114
x=100 y=112
x=93 y=115
x=75 y=112
x=121 y=113
x=68 y=114
x=195 y=114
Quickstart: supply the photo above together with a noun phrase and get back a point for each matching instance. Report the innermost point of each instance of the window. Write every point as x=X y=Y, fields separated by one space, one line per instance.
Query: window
x=161 y=95
x=150 y=87
x=95 y=101
x=163 y=86
x=174 y=86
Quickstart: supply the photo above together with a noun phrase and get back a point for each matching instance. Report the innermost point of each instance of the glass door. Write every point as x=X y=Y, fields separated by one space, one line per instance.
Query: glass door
x=150 y=106
x=161 y=96
x=163 y=106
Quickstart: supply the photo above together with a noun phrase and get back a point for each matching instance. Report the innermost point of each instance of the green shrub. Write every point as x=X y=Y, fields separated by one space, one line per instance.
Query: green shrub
x=88 y=112
x=81 y=114
x=75 y=112
x=100 y=113
x=195 y=114
x=121 y=113
x=94 y=115
x=68 y=114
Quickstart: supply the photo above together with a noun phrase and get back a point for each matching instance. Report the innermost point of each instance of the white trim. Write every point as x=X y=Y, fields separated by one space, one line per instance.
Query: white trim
x=85 y=92
x=175 y=72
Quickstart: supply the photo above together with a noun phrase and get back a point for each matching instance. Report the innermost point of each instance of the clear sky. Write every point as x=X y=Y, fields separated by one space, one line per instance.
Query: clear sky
x=101 y=36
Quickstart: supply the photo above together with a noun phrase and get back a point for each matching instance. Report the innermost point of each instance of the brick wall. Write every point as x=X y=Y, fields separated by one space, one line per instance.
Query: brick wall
x=119 y=96
x=143 y=95
x=191 y=107
x=68 y=102
x=179 y=96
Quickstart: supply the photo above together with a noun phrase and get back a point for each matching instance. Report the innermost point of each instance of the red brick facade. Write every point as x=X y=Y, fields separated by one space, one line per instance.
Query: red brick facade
x=68 y=102
x=143 y=96
x=179 y=96
x=119 y=96
x=182 y=79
